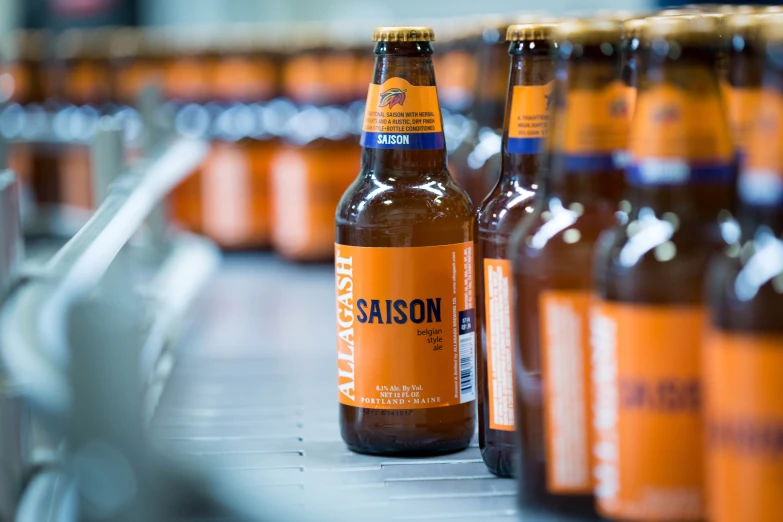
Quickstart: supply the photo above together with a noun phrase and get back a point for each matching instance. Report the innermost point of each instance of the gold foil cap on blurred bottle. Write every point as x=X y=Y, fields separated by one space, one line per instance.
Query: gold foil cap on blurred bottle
x=744 y=24
x=634 y=27
x=588 y=30
x=685 y=29
x=531 y=31
x=772 y=27
x=403 y=34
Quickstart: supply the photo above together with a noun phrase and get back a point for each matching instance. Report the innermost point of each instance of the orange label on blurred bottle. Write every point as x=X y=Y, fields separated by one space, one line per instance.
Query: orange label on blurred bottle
x=645 y=368
x=399 y=115
x=529 y=118
x=744 y=417
x=499 y=324
x=681 y=134
x=595 y=121
x=307 y=184
x=761 y=178
x=225 y=192
x=742 y=105
x=405 y=326
x=565 y=357
x=630 y=101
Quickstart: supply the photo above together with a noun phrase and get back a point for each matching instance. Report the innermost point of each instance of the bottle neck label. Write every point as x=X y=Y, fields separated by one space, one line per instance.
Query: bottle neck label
x=761 y=180
x=591 y=128
x=528 y=123
x=399 y=115
x=680 y=136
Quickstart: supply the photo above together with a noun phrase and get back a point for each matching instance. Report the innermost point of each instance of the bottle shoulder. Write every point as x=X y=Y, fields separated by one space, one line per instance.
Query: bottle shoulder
x=505 y=208
x=744 y=289
x=372 y=201
x=651 y=260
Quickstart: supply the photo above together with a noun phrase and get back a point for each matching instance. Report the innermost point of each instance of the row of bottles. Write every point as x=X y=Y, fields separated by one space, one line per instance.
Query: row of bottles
x=283 y=119
x=622 y=281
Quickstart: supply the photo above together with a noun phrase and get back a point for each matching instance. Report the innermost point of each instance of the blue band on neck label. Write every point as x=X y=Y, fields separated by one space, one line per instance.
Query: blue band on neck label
x=677 y=172
x=420 y=141
x=571 y=163
x=525 y=145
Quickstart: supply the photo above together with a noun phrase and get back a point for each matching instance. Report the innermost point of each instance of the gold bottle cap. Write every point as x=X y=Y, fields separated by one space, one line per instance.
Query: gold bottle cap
x=772 y=27
x=737 y=9
x=588 y=30
x=634 y=27
x=770 y=9
x=744 y=24
x=403 y=34
x=529 y=32
x=691 y=28
x=679 y=12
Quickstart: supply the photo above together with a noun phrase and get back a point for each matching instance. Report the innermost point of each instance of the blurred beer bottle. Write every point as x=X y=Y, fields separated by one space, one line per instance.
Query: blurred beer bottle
x=85 y=79
x=552 y=254
x=523 y=162
x=476 y=163
x=745 y=68
x=235 y=176
x=743 y=351
x=22 y=87
x=318 y=158
x=647 y=319
x=404 y=265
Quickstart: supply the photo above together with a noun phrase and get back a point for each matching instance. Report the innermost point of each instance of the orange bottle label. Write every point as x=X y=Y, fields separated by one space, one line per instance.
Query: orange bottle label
x=761 y=179
x=307 y=184
x=243 y=78
x=226 y=194
x=402 y=116
x=744 y=417
x=592 y=127
x=680 y=135
x=630 y=101
x=499 y=327
x=565 y=357
x=645 y=367
x=742 y=106
x=529 y=118
x=405 y=326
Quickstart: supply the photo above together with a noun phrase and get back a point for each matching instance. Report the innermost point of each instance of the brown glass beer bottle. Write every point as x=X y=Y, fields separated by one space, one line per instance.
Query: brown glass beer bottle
x=743 y=348
x=404 y=265
x=477 y=161
x=646 y=320
x=552 y=252
x=522 y=163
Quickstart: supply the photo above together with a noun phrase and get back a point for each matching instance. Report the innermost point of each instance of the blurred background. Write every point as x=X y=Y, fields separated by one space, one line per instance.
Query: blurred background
x=215 y=138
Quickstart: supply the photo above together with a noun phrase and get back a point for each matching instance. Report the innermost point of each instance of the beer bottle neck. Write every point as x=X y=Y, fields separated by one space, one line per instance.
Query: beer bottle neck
x=403 y=129
x=528 y=110
x=683 y=158
x=589 y=129
x=488 y=107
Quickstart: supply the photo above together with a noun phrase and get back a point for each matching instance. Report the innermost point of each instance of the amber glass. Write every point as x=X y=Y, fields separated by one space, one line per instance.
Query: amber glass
x=532 y=63
x=660 y=254
x=745 y=299
x=477 y=173
x=692 y=208
x=552 y=250
x=424 y=206
x=759 y=221
x=745 y=67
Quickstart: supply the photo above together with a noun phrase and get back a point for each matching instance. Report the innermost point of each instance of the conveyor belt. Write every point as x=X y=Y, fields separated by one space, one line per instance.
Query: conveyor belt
x=253 y=395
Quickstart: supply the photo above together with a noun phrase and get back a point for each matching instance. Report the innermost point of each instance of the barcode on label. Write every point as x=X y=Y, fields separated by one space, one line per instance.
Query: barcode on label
x=467 y=385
